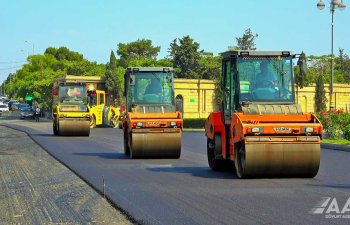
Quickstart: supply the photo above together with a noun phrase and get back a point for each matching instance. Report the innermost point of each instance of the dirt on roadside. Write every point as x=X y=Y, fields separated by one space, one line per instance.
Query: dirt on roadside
x=37 y=189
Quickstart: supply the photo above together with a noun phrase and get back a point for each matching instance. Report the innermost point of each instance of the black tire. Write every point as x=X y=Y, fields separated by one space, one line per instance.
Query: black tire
x=213 y=153
x=240 y=159
x=93 y=122
x=126 y=143
x=55 y=130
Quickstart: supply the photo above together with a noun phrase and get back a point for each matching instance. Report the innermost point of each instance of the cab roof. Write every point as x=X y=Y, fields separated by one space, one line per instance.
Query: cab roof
x=149 y=69
x=254 y=53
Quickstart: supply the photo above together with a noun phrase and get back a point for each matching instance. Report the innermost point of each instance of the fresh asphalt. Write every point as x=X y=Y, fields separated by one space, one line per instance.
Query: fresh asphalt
x=186 y=191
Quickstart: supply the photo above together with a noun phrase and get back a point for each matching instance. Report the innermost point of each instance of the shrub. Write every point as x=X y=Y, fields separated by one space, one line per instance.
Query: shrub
x=347 y=132
x=334 y=122
x=194 y=123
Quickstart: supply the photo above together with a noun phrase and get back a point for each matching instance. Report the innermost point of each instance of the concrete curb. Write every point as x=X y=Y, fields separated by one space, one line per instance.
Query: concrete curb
x=345 y=148
x=193 y=130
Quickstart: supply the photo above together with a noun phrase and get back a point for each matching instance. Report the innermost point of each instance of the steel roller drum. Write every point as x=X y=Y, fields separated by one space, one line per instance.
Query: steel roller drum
x=278 y=160
x=74 y=127
x=155 y=145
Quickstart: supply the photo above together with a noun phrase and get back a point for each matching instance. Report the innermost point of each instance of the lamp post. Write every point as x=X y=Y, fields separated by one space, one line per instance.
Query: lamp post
x=30 y=44
x=334 y=4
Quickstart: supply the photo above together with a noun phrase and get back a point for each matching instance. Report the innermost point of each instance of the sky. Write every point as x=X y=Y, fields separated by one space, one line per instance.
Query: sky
x=95 y=27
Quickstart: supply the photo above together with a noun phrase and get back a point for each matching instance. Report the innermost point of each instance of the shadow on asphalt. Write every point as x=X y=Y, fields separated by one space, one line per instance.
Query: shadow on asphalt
x=43 y=135
x=105 y=155
x=340 y=186
x=203 y=172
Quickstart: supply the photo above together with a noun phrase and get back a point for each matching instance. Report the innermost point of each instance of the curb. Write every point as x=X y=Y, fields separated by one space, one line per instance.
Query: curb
x=345 y=148
x=193 y=130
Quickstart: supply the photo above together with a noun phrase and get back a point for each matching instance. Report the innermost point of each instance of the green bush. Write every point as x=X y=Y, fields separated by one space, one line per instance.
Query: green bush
x=194 y=123
x=347 y=132
x=334 y=122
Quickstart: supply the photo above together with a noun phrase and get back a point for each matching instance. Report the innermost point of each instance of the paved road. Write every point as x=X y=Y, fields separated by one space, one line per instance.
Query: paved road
x=186 y=191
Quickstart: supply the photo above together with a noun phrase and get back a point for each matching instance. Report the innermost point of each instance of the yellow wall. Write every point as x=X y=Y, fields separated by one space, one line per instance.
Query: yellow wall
x=198 y=97
x=341 y=97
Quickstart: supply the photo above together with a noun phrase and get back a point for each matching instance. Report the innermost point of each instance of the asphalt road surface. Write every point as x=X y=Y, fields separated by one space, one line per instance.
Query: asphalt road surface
x=186 y=191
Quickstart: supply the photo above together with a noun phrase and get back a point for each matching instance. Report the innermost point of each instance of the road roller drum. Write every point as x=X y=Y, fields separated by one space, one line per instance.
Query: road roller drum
x=155 y=144
x=74 y=128
x=277 y=160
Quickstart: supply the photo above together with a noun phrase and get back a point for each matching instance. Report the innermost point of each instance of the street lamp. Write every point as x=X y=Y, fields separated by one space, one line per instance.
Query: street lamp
x=334 y=4
x=30 y=44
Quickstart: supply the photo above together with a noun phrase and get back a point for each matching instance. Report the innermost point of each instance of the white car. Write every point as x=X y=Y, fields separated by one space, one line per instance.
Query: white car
x=3 y=108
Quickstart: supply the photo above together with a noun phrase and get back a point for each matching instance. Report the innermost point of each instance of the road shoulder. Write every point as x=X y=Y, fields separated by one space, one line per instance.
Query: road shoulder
x=36 y=189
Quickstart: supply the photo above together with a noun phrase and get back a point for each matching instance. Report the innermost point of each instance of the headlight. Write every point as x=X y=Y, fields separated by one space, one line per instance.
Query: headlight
x=139 y=124
x=255 y=129
x=172 y=123
x=309 y=129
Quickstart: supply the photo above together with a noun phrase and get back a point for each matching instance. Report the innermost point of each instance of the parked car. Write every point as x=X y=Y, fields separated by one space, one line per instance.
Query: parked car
x=27 y=113
x=15 y=106
x=3 y=108
x=22 y=106
x=6 y=101
x=11 y=102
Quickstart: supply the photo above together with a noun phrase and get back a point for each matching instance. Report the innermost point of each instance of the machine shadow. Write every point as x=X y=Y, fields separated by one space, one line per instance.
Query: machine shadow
x=338 y=186
x=203 y=172
x=105 y=155
x=43 y=135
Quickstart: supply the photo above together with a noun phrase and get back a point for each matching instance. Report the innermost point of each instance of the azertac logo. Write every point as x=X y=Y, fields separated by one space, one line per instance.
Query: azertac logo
x=330 y=207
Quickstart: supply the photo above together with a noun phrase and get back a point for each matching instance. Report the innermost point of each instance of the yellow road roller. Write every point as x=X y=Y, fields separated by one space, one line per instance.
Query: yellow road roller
x=71 y=116
x=152 y=126
x=260 y=127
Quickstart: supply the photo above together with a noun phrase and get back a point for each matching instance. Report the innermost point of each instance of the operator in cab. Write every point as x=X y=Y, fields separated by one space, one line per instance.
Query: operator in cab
x=265 y=78
x=154 y=87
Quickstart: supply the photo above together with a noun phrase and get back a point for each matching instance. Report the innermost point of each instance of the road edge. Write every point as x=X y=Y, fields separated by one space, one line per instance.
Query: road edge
x=124 y=212
x=337 y=147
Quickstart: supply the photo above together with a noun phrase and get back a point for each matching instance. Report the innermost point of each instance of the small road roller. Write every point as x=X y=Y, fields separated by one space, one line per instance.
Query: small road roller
x=260 y=128
x=71 y=115
x=152 y=126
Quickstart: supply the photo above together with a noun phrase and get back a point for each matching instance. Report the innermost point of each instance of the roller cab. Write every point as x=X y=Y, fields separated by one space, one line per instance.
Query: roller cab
x=70 y=112
x=152 y=126
x=260 y=127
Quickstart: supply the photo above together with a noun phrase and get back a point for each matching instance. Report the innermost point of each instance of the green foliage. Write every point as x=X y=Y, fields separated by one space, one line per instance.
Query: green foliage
x=194 y=123
x=335 y=123
x=320 y=65
x=320 y=95
x=246 y=42
x=64 y=53
x=137 y=50
x=36 y=77
x=112 y=81
x=347 y=132
x=343 y=65
x=336 y=141
x=186 y=57
x=210 y=66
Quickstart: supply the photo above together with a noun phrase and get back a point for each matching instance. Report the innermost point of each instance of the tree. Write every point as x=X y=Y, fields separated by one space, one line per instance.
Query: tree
x=36 y=77
x=64 y=53
x=114 y=80
x=246 y=42
x=136 y=50
x=344 y=65
x=320 y=95
x=210 y=66
x=186 y=57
